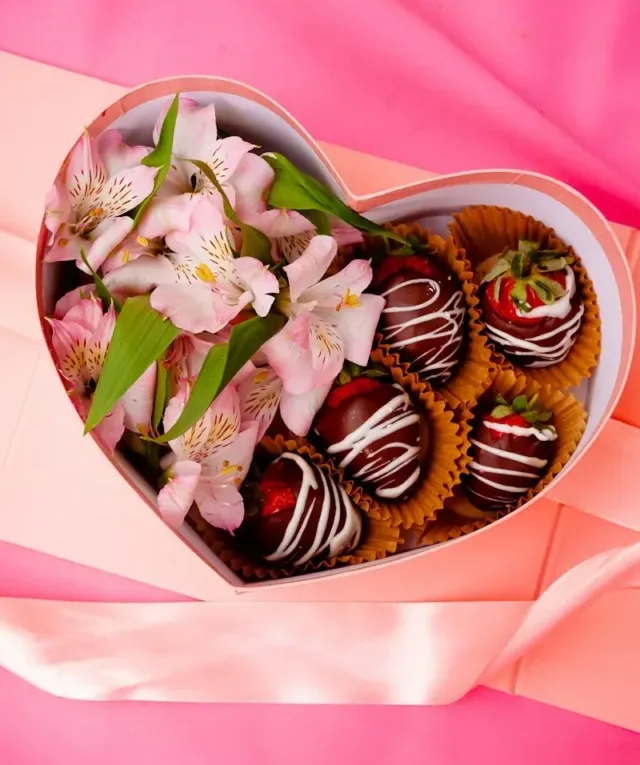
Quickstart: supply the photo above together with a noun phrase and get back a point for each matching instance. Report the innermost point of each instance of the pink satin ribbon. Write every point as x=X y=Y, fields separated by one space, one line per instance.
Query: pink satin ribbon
x=385 y=653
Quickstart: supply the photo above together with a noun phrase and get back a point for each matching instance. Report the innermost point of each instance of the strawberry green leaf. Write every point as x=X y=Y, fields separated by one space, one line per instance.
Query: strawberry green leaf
x=504 y=410
x=501 y=400
x=544 y=416
x=255 y=244
x=519 y=295
x=517 y=265
x=140 y=337
x=519 y=404
x=102 y=291
x=221 y=364
x=542 y=291
x=500 y=268
x=526 y=246
x=530 y=417
x=294 y=190
x=160 y=157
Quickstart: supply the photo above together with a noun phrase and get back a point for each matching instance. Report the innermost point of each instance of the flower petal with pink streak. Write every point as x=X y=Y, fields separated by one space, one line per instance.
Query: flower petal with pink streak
x=72 y=298
x=138 y=402
x=327 y=349
x=251 y=181
x=260 y=394
x=256 y=277
x=311 y=266
x=177 y=495
x=193 y=307
x=98 y=343
x=126 y=190
x=281 y=223
x=65 y=247
x=345 y=234
x=164 y=216
x=223 y=160
x=69 y=340
x=111 y=428
x=357 y=327
x=117 y=155
x=87 y=313
x=354 y=277
x=298 y=412
x=86 y=176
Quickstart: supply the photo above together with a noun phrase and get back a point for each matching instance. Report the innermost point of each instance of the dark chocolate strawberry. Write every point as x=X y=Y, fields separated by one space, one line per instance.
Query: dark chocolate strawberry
x=512 y=446
x=531 y=305
x=375 y=433
x=423 y=319
x=297 y=513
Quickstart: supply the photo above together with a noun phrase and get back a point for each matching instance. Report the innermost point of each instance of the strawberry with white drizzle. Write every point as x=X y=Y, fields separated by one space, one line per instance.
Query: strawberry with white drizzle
x=531 y=305
x=512 y=447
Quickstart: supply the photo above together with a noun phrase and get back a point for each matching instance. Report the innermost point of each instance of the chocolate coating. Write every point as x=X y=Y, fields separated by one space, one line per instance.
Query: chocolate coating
x=423 y=321
x=489 y=485
x=377 y=438
x=323 y=524
x=552 y=336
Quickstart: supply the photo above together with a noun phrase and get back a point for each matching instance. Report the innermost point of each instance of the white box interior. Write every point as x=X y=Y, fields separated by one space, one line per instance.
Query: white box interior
x=237 y=115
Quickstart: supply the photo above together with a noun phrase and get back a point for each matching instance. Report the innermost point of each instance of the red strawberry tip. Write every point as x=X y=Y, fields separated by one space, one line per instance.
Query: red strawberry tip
x=359 y=386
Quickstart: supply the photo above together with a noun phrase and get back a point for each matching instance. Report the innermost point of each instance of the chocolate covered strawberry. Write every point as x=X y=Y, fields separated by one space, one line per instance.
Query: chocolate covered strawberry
x=423 y=319
x=297 y=513
x=374 y=431
x=512 y=447
x=531 y=305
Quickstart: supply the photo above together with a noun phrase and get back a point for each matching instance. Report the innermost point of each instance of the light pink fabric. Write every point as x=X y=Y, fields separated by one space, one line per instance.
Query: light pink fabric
x=433 y=84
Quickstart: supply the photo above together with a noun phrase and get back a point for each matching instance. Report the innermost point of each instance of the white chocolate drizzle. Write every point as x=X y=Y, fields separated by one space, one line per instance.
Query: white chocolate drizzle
x=396 y=414
x=547 y=433
x=346 y=527
x=436 y=362
x=547 y=355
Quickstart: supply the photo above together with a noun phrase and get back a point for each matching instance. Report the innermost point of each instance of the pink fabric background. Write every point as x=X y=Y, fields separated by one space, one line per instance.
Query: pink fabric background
x=436 y=83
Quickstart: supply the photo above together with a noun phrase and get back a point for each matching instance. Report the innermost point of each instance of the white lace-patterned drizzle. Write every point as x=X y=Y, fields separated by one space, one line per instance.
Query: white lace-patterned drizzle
x=436 y=363
x=379 y=471
x=346 y=527
x=498 y=477
x=565 y=333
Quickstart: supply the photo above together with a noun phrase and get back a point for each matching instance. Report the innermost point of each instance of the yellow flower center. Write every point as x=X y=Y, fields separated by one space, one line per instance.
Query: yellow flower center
x=349 y=300
x=205 y=274
x=228 y=468
x=261 y=377
x=125 y=257
x=142 y=241
x=97 y=212
x=63 y=242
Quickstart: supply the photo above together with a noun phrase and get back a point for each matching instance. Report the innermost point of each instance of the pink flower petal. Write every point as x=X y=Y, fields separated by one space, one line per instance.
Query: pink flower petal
x=357 y=327
x=310 y=267
x=72 y=298
x=140 y=276
x=177 y=495
x=87 y=313
x=65 y=247
x=86 y=176
x=260 y=393
x=345 y=234
x=251 y=181
x=57 y=207
x=355 y=277
x=327 y=350
x=281 y=223
x=193 y=307
x=105 y=237
x=255 y=277
x=111 y=428
x=224 y=159
x=290 y=359
x=98 y=343
x=196 y=132
x=138 y=402
x=124 y=191
x=298 y=412
x=69 y=345
x=165 y=215
x=220 y=506
x=118 y=155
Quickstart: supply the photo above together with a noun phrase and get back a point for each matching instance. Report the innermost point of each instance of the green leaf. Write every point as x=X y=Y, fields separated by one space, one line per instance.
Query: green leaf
x=102 y=290
x=544 y=416
x=500 y=268
x=517 y=265
x=552 y=285
x=255 y=244
x=221 y=364
x=160 y=396
x=530 y=417
x=519 y=295
x=160 y=157
x=552 y=264
x=543 y=292
x=294 y=190
x=140 y=337
x=526 y=246
x=519 y=404
x=320 y=220
x=501 y=400
x=501 y=411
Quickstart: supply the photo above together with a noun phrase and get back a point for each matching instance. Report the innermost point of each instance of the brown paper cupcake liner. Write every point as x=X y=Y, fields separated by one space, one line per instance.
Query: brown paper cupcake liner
x=477 y=365
x=569 y=418
x=484 y=232
x=379 y=539
x=446 y=459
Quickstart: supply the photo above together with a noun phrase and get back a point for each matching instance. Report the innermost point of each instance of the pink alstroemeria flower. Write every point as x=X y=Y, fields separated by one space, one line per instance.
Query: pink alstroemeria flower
x=208 y=463
x=329 y=320
x=262 y=394
x=80 y=342
x=103 y=180
x=211 y=285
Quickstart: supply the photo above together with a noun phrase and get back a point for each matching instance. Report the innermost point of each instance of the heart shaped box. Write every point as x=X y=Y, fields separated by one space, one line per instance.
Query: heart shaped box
x=248 y=112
